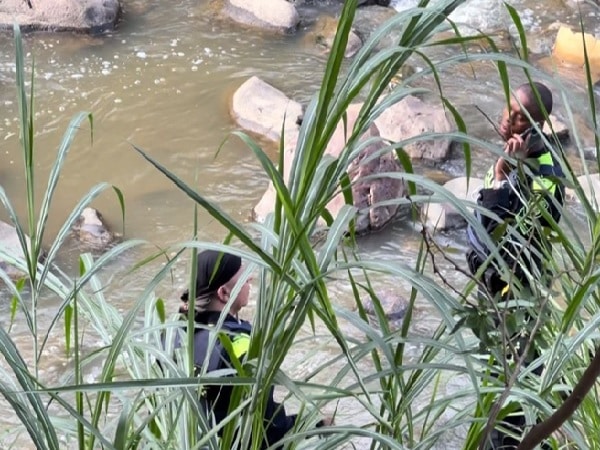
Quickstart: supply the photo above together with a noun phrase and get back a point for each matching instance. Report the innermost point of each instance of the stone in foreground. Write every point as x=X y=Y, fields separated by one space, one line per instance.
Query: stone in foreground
x=60 y=15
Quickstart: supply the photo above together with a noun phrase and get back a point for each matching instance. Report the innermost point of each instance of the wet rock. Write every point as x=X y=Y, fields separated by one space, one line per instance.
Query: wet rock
x=60 y=15
x=278 y=15
x=393 y=305
x=367 y=194
x=472 y=17
x=412 y=117
x=405 y=72
x=91 y=230
x=569 y=48
x=10 y=244
x=260 y=108
x=591 y=189
x=560 y=128
x=324 y=33
x=367 y=20
x=444 y=216
x=500 y=39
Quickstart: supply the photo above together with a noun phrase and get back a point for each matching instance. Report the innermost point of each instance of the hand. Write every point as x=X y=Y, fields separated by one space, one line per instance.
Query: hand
x=183 y=308
x=516 y=147
x=326 y=421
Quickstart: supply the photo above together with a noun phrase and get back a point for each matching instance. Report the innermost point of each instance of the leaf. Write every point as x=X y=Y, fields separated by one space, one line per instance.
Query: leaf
x=68 y=322
x=160 y=310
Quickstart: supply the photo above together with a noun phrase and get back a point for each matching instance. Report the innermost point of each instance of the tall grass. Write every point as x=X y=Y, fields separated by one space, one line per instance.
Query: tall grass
x=138 y=403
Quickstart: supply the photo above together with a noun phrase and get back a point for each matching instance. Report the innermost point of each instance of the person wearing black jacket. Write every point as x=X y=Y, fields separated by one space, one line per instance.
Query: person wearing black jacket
x=216 y=277
x=519 y=196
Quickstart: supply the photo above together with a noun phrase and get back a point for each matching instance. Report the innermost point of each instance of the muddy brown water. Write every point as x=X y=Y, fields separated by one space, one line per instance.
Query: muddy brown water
x=162 y=81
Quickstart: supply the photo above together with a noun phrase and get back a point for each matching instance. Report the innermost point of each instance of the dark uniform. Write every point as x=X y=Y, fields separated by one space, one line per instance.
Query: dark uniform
x=520 y=201
x=276 y=422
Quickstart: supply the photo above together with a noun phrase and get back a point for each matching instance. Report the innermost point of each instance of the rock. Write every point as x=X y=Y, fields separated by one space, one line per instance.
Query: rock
x=393 y=305
x=479 y=16
x=366 y=194
x=278 y=15
x=324 y=32
x=561 y=130
x=591 y=189
x=92 y=231
x=406 y=71
x=9 y=242
x=444 y=216
x=569 y=49
x=60 y=15
x=367 y=20
x=260 y=108
x=412 y=117
x=472 y=17
x=500 y=39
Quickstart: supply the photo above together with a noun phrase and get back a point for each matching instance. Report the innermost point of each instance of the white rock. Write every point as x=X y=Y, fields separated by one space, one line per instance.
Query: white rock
x=444 y=216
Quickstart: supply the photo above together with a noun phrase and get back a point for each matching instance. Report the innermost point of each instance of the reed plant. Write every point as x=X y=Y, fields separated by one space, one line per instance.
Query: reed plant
x=147 y=395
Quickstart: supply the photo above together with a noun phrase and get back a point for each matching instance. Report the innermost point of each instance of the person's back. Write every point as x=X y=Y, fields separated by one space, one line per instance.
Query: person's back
x=216 y=279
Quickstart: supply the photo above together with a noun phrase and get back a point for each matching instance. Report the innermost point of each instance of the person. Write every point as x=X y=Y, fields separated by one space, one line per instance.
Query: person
x=216 y=278
x=528 y=197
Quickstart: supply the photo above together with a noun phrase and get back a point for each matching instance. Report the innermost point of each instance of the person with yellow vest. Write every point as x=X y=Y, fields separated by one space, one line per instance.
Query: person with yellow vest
x=216 y=277
x=520 y=195
x=528 y=199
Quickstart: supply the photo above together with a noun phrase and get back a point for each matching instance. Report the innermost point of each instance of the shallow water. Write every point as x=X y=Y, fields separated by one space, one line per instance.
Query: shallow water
x=162 y=81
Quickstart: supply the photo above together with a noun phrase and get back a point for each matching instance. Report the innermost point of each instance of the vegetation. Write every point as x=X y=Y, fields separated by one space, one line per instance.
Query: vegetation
x=137 y=403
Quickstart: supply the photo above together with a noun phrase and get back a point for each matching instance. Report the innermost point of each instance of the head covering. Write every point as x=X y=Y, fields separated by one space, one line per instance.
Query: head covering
x=214 y=270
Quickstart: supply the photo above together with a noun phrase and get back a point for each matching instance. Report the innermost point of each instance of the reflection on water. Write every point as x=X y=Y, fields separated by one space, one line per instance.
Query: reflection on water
x=163 y=81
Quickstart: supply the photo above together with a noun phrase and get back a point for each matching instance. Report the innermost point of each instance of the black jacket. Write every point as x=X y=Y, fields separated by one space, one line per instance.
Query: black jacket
x=522 y=196
x=276 y=422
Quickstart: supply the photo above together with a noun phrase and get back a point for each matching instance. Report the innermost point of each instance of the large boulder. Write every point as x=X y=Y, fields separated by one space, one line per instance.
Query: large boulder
x=278 y=15
x=412 y=117
x=367 y=194
x=60 y=15
x=10 y=244
x=443 y=215
x=569 y=48
x=260 y=108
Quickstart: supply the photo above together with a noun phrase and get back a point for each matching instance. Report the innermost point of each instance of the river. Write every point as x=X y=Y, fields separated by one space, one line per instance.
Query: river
x=163 y=81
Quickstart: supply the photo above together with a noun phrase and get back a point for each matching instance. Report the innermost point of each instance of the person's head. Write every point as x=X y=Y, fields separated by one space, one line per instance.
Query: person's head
x=216 y=277
x=515 y=120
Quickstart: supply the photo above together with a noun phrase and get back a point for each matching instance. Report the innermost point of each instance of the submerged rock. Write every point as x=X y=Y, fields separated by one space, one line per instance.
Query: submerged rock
x=393 y=305
x=324 y=32
x=91 y=229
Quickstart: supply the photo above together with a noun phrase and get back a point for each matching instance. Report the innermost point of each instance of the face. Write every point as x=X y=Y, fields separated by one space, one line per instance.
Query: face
x=514 y=120
x=243 y=294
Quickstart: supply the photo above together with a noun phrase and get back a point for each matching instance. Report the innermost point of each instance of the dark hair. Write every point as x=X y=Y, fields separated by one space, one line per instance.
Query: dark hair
x=536 y=104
